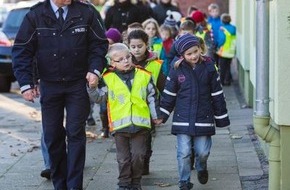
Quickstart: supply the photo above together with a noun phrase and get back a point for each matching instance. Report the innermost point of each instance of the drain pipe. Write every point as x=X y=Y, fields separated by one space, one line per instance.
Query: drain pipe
x=261 y=112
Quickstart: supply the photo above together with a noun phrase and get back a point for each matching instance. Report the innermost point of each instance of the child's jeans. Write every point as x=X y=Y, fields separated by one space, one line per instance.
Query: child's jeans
x=131 y=150
x=44 y=152
x=202 y=146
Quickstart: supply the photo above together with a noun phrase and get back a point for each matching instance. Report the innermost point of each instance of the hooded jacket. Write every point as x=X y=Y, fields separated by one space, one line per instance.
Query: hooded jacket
x=197 y=98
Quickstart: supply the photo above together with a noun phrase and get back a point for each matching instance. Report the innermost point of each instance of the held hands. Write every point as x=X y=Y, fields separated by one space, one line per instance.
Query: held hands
x=157 y=121
x=92 y=79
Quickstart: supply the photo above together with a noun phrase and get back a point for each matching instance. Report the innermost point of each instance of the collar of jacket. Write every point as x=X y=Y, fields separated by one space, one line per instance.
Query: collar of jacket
x=73 y=11
x=151 y=56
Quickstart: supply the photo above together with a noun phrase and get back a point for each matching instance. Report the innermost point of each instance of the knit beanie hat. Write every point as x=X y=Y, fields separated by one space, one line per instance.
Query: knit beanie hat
x=197 y=16
x=185 y=42
x=170 y=21
x=175 y=15
x=114 y=35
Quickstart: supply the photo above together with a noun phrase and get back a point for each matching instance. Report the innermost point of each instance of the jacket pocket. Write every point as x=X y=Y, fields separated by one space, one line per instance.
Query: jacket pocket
x=48 y=64
x=79 y=60
x=47 y=38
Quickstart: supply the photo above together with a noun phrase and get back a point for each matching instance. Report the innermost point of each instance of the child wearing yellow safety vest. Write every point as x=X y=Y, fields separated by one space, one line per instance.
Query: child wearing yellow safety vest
x=132 y=102
x=226 y=48
x=138 y=44
x=151 y=27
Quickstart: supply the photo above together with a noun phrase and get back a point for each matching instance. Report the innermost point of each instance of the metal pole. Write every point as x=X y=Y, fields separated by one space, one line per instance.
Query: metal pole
x=262 y=59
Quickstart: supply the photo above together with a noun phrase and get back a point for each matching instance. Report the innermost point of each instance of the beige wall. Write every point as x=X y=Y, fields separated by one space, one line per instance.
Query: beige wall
x=280 y=61
x=279 y=78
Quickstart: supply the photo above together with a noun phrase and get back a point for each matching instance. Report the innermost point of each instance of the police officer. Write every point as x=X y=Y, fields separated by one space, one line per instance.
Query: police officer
x=69 y=45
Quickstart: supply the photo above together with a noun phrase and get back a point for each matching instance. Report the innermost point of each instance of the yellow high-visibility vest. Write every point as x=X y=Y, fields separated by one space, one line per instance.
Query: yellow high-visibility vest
x=127 y=108
x=154 y=67
x=200 y=34
x=157 y=47
x=228 y=49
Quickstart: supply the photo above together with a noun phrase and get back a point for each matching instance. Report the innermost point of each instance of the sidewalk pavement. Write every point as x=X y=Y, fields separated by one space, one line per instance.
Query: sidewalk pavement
x=236 y=161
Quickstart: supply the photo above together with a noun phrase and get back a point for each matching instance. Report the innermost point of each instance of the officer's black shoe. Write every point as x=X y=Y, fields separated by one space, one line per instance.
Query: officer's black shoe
x=124 y=188
x=91 y=122
x=145 y=169
x=46 y=174
x=202 y=176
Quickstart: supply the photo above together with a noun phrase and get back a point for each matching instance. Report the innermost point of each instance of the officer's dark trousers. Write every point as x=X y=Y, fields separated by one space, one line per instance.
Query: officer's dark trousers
x=66 y=145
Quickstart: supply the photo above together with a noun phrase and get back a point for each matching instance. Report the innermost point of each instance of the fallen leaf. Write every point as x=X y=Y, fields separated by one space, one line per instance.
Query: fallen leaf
x=91 y=135
x=13 y=154
x=32 y=148
x=161 y=184
x=236 y=136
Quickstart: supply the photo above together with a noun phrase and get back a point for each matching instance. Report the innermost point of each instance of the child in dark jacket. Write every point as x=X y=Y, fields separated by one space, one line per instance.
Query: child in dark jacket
x=194 y=91
x=132 y=102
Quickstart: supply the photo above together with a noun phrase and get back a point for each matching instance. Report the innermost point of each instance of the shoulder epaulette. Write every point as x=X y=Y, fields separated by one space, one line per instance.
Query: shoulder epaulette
x=85 y=3
x=36 y=5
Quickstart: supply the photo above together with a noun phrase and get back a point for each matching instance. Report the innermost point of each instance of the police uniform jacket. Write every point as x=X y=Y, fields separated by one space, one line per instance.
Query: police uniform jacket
x=62 y=53
x=197 y=98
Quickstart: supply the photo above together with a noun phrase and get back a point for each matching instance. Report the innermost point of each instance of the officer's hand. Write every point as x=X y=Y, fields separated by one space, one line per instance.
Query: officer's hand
x=29 y=95
x=92 y=79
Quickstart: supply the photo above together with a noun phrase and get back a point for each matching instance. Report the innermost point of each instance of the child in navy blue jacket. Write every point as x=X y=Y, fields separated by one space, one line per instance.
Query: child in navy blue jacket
x=194 y=91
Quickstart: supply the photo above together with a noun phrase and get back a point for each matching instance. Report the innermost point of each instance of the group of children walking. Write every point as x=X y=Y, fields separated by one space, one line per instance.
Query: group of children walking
x=152 y=74
x=141 y=89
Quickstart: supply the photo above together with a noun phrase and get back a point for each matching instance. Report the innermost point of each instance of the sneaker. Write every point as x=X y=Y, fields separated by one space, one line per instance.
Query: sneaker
x=186 y=186
x=46 y=174
x=91 y=122
x=202 y=176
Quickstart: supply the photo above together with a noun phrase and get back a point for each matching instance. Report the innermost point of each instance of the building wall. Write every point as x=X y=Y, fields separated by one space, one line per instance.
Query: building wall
x=279 y=60
x=279 y=83
x=279 y=45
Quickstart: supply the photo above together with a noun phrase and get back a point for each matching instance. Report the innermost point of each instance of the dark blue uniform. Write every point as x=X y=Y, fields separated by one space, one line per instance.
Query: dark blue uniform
x=63 y=54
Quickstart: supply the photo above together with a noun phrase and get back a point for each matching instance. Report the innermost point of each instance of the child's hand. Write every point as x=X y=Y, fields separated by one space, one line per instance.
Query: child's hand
x=92 y=79
x=157 y=121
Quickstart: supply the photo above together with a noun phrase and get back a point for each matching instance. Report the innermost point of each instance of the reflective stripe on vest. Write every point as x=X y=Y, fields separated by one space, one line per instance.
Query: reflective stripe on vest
x=127 y=108
x=228 y=49
x=154 y=67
